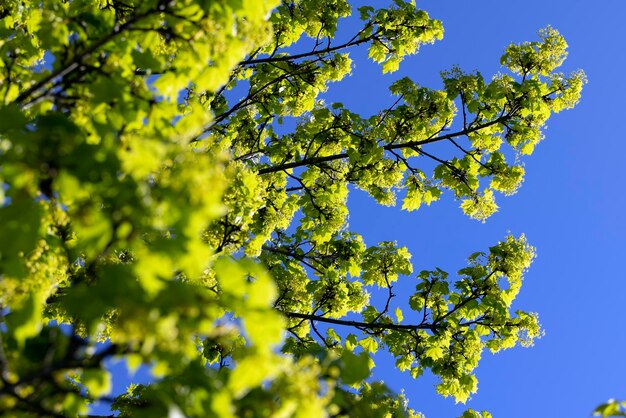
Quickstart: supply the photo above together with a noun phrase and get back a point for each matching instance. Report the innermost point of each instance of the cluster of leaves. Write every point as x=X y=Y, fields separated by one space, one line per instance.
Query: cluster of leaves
x=612 y=408
x=148 y=214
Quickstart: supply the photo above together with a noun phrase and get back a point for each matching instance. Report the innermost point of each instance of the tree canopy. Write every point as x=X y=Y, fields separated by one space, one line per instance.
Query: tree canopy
x=174 y=194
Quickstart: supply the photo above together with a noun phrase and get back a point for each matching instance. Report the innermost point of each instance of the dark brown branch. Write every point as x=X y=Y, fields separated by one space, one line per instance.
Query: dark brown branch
x=77 y=62
x=357 y=324
x=291 y=254
x=246 y=101
x=411 y=144
x=327 y=50
x=390 y=295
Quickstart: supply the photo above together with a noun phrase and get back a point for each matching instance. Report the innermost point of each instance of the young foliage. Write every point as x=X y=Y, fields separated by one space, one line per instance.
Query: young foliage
x=150 y=214
x=612 y=408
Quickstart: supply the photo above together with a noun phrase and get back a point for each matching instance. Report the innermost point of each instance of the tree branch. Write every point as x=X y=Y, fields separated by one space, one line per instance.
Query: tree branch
x=76 y=63
x=348 y=44
x=411 y=144
x=357 y=324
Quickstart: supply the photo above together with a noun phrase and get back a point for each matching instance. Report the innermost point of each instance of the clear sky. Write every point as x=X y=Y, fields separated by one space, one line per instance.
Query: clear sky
x=570 y=208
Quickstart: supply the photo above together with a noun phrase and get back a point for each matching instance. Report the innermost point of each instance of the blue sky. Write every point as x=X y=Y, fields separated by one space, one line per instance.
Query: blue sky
x=570 y=208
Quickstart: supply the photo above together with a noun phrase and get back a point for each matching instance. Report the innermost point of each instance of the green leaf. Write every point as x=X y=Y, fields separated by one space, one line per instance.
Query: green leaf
x=351 y=342
x=355 y=367
x=399 y=315
x=13 y=119
x=434 y=352
x=25 y=321
x=369 y=344
x=97 y=382
x=19 y=233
